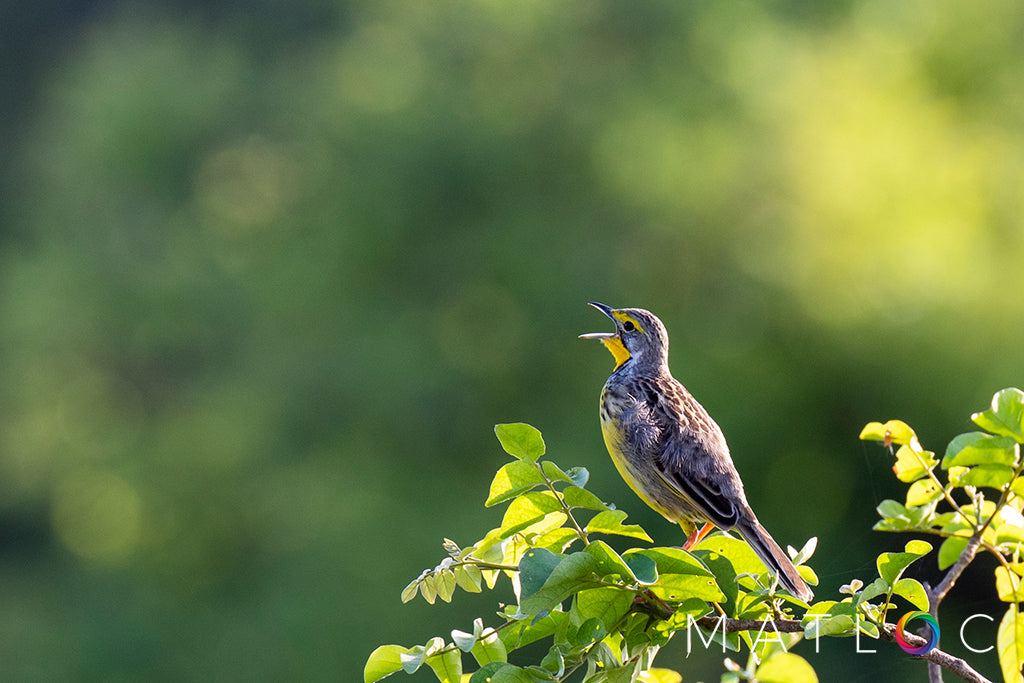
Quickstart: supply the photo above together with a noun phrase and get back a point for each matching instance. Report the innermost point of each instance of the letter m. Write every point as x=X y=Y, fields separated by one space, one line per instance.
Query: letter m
x=690 y=621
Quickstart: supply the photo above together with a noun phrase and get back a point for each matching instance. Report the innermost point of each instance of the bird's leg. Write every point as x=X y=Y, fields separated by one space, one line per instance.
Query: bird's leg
x=698 y=534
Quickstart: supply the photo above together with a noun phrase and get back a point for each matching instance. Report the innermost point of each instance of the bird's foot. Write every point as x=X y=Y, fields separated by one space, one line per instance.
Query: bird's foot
x=698 y=535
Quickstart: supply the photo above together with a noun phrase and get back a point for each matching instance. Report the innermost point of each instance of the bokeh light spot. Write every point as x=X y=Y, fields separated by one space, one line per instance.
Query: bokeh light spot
x=245 y=186
x=97 y=516
x=381 y=69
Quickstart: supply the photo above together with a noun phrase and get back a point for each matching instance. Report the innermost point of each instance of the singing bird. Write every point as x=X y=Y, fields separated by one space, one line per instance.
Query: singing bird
x=667 y=447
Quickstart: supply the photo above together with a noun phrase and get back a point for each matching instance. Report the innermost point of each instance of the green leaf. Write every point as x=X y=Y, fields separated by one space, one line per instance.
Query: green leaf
x=806 y=552
x=469 y=578
x=656 y=675
x=737 y=551
x=890 y=525
x=489 y=648
x=644 y=568
x=590 y=631
x=535 y=568
x=462 y=640
x=501 y=673
x=575 y=497
x=873 y=590
x=607 y=604
x=913 y=592
x=941 y=520
x=993 y=476
x=556 y=540
x=383 y=662
x=610 y=522
x=553 y=664
x=868 y=628
x=786 y=667
x=618 y=674
x=484 y=673
x=839 y=625
x=923 y=491
x=528 y=509
x=446 y=664
x=956 y=473
x=512 y=479
x=579 y=475
x=575 y=571
x=520 y=440
x=1006 y=416
x=672 y=560
x=428 y=589
x=896 y=431
x=409 y=592
x=411 y=659
x=911 y=465
x=444 y=581
x=526 y=631
x=1010 y=645
x=891 y=508
x=728 y=557
x=608 y=562
x=683 y=586
x=1008 y=586
x=893 y=512
x=892 y=565
x=807 y=574
x=1010 y=533
x=554 y=472
x=949 y=551
x=979 y=448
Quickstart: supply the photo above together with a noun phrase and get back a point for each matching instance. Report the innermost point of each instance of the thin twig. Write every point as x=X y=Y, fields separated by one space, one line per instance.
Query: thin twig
x=936 y=595
x=930 y=471
x=580 y=531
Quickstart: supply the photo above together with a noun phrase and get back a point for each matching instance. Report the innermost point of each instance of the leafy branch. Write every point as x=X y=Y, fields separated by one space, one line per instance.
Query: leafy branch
x=973 y=462
x=607 y=613
x=603 y=612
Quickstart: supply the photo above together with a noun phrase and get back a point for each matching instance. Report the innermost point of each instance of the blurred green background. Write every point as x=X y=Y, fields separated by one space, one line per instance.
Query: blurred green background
x=271 y=271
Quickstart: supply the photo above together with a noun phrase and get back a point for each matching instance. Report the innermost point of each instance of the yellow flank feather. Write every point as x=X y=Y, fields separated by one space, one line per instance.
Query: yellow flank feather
x=614 y=441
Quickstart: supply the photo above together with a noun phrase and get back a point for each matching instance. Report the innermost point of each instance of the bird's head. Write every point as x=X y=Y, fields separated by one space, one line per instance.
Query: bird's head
x=639 y=336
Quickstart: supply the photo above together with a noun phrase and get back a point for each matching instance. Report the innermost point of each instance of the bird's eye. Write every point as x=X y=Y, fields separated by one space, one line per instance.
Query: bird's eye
x=628 y=326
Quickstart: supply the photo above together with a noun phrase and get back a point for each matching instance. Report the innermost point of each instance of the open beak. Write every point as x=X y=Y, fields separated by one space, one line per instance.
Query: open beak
x=607 y=310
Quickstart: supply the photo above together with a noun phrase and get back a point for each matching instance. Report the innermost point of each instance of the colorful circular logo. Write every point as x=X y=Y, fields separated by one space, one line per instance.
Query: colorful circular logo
x=933 y=639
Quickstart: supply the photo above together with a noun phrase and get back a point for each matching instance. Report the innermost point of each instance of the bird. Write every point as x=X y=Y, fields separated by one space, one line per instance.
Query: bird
x=668 y=449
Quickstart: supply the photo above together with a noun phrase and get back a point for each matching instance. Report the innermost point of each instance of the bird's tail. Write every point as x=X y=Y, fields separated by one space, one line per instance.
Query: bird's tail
x=773 y=556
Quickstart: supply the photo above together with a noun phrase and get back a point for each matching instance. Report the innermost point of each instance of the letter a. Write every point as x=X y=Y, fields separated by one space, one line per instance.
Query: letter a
x=777 y=638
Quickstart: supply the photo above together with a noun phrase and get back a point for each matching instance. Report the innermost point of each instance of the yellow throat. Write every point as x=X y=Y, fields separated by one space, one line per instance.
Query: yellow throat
x=618 y=349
